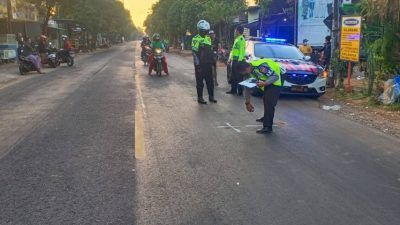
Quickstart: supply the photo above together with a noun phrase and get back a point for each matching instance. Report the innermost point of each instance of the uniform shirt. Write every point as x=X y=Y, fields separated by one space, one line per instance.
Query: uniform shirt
x=157 y=44
x=305 y=49
x=238 y=49
x=201 y=50
x=272 y=77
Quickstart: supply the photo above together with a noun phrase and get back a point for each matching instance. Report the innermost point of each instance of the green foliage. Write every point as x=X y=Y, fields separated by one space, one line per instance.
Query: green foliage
x=99 y=16
x=172 y=18
x=45 y=8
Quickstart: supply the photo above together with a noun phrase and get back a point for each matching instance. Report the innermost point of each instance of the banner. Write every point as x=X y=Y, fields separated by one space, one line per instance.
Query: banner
x=310 y=21
x=350 y=38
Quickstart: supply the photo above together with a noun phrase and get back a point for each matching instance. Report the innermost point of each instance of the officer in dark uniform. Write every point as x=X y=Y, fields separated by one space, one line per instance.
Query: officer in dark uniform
x=267 y=74
x=203 y=61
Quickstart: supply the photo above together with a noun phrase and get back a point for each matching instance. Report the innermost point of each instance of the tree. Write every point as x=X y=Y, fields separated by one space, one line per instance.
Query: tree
x=46 y=9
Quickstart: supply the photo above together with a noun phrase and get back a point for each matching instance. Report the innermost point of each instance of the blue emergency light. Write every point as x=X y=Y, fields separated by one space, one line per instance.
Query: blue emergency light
x=275 y=40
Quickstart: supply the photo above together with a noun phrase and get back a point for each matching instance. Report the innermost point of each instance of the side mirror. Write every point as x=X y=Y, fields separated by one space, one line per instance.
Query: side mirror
x=307 y=58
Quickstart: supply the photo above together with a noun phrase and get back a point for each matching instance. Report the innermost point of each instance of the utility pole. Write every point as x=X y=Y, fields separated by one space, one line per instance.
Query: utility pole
x=9 y=17
x=335 y=30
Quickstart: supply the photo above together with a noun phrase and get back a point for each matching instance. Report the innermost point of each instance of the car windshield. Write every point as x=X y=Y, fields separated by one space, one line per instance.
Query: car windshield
x=263 y=50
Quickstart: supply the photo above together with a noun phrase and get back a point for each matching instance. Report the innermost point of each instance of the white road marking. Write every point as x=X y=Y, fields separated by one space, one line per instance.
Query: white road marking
x=235 y=129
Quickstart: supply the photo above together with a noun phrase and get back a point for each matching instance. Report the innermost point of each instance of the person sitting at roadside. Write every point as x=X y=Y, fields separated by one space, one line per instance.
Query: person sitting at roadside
x=30 y=54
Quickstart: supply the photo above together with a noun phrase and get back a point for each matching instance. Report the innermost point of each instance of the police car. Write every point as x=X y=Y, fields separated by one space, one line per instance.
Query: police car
x=300 y=76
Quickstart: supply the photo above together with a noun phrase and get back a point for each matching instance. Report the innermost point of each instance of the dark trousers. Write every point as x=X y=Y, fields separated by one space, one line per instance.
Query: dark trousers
x=204 y=72
x=271 y=96
x=236 y=79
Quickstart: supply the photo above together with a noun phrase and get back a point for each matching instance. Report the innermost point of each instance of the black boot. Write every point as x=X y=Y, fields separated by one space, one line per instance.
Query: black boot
x=265 y=130
x=212 y=99
x=201 y=101
x=260 y=120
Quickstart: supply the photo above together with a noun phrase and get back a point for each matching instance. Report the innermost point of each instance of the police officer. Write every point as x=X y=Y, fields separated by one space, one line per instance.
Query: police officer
x=203 y=60
x=237 y=55
x=267 y=74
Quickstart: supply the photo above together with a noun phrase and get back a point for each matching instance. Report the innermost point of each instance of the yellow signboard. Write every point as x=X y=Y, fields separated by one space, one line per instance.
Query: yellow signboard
x=350 y=39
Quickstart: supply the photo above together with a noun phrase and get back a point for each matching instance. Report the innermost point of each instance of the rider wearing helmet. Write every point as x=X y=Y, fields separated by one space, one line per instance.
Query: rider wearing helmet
x=203 y=61
x=67 y=43
x=145 y=42
x=157 y=44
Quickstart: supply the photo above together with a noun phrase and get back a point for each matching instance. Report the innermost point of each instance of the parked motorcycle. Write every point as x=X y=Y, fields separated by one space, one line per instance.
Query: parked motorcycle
x=51 y=57
x=223 y=54
x=158 y=55
x=25 y=65
x=64 y=56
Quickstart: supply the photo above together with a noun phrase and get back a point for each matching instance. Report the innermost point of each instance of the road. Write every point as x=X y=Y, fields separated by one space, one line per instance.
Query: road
x=104 y=143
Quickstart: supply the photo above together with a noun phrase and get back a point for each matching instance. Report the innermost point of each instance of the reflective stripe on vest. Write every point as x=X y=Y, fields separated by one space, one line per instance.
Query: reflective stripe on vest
x=275 y=67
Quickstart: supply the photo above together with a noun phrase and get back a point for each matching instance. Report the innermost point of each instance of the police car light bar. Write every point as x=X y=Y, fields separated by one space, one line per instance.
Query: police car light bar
x=275 y=40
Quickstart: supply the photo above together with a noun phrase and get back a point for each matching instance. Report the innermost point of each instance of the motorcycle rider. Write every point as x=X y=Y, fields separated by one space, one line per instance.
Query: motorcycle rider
x=67 y=43
x=203 y=60
x=145 y=42
x=29 y=52
x=157 y=44
x=215 y=47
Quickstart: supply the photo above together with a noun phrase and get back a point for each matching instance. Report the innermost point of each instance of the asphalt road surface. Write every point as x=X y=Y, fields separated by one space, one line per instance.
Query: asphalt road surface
x=104 y=143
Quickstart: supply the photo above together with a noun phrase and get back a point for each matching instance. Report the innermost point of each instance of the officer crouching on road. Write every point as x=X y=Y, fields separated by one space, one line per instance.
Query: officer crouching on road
x=267 y=74
x=203 y=61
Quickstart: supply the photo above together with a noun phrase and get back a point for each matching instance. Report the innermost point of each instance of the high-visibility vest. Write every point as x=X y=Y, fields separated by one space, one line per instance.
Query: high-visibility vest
x=238 y=49
x=198 y=40
x=275 y=67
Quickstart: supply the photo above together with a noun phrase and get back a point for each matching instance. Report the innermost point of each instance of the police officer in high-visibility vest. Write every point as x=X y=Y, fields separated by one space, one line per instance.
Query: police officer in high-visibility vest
x=203 y=61
x=267 y=74
x=237 y=55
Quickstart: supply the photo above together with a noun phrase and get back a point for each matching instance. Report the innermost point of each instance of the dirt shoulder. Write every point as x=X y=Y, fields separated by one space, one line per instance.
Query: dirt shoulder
x=360 y=110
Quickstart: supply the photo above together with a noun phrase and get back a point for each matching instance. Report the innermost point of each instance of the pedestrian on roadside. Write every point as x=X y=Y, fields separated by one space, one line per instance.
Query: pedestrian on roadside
x=203 y=61
x=326 y=52
x=42 y=48
x=267 y=74
x=237 y=55
x=215 y=47
x=305 y=48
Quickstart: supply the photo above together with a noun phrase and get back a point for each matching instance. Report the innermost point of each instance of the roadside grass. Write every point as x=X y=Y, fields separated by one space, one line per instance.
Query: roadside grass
x=361 y=98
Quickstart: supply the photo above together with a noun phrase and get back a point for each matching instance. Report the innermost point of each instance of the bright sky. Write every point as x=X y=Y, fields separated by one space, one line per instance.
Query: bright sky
x=139 y=10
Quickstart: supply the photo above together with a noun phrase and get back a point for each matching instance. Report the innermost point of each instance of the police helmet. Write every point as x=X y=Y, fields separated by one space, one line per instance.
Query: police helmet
x=203 y=25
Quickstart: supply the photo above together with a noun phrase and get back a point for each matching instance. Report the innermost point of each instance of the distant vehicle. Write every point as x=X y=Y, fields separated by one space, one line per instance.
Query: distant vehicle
x=299 y=75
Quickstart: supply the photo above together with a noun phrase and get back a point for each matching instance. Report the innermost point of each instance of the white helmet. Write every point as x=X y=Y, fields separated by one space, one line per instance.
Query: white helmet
x=203 y=25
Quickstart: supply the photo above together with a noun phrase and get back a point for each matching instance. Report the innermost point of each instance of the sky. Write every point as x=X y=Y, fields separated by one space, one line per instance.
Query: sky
x=139 y=10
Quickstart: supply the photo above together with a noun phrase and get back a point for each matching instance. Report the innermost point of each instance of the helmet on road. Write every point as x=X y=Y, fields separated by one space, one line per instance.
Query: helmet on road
x=156 y=36
x=203 y=25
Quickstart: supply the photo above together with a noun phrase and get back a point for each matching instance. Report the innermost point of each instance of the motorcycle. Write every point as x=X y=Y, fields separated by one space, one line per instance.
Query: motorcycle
x=25 y=65
x=223 y=54
x=146 y=54
x=158 y=56
x=64 y=56
x=51 y=56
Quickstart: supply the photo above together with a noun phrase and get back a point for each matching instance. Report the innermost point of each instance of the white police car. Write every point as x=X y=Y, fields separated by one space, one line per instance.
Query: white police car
x=300 y=76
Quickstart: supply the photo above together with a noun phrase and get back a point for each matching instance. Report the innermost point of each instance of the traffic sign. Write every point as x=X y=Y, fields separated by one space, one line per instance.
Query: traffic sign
x=350 y=38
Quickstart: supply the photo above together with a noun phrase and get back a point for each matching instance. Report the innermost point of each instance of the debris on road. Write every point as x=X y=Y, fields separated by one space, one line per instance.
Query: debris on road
x=334 y=107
